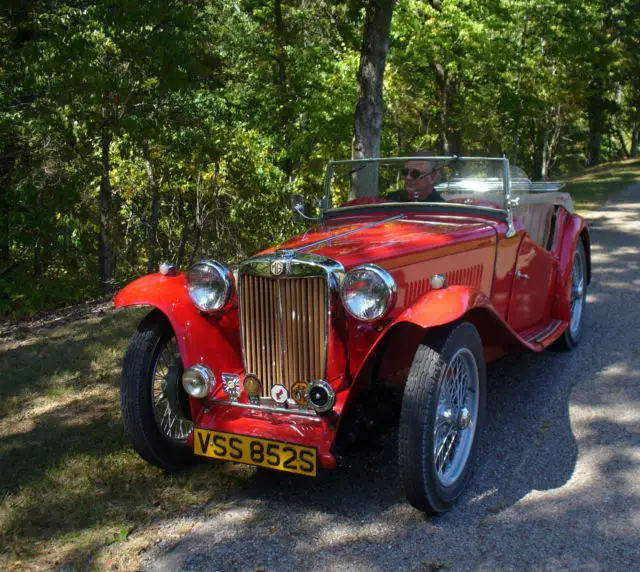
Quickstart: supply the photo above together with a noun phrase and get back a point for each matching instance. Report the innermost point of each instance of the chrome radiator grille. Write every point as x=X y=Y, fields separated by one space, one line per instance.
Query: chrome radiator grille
x=284 y=328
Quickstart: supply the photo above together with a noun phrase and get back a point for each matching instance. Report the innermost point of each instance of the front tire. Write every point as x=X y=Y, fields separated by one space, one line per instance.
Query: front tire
x=152 y=367
x=442 y=414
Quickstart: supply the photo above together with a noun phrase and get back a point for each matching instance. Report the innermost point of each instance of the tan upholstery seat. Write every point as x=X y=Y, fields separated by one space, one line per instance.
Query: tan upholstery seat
x=537 y=220
x=536 y=210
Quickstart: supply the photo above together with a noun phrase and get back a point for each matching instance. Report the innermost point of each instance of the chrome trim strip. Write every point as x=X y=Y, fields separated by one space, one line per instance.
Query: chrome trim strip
x=297 y=266
x=336 y=236
x=449 y=206
x=305 y=412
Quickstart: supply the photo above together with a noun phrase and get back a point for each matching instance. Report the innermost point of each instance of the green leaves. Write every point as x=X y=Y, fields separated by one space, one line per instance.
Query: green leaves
x=241 y=106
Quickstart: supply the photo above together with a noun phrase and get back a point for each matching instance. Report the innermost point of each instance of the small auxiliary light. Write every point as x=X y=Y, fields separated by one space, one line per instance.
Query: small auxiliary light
x=197 y=381
x=167 y=269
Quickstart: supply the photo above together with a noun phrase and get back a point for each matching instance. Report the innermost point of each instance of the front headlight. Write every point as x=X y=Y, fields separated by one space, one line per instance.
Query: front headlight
x=210 y=285
x=368 y=292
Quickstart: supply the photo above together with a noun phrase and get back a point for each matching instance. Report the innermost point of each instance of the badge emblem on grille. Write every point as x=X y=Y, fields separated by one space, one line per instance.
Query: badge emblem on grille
x=277 y=267
x=231 y=385
x=299 y=393
x=253 y=387
x=279 y=393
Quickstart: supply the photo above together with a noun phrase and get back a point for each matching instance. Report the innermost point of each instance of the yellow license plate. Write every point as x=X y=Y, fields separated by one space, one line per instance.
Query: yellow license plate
x=255 y=451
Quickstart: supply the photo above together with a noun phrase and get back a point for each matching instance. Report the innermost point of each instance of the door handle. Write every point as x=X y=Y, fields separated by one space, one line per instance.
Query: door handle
x=521 y=276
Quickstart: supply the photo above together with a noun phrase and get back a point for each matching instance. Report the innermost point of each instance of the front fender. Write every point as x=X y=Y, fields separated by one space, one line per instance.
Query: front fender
x=201 y=338
x=391 y=356
x=439 y=307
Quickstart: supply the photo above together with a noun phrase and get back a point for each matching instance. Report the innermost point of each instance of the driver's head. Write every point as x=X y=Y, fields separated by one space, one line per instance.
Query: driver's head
x=419 y=178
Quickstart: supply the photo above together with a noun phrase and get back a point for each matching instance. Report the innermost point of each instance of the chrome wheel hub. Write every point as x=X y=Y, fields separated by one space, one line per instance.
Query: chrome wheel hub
x=456 y=417
x=464 y=418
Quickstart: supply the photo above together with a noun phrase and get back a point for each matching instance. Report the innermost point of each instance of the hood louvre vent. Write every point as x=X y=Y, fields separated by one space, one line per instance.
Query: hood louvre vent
x=470 y=276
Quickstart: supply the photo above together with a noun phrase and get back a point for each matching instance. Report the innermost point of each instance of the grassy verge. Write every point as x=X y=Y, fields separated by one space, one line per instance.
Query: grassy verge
x=591 y=188
x=73 y=494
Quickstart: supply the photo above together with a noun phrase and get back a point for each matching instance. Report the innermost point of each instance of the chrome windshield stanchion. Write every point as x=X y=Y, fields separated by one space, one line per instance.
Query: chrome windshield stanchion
x=511 y=231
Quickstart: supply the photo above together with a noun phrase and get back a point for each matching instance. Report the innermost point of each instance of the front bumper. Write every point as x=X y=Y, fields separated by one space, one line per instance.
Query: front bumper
x=317 y=431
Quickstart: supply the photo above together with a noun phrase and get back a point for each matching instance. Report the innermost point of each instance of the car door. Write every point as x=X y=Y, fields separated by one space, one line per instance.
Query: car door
x=531 y=295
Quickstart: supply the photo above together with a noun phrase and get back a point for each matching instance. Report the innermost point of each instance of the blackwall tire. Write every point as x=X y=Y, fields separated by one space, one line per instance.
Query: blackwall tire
x=146 y=415
x=573 y=334
x=431 y=413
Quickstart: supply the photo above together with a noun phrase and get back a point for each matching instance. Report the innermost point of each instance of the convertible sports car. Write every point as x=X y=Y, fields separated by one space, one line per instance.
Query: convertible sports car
x=386 y=309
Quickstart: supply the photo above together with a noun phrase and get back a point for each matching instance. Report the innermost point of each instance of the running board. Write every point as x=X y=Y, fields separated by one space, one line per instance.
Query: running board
x=548 y=332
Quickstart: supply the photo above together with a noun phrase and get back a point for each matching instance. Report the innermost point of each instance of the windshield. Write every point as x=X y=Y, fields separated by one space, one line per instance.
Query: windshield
x=472 y=181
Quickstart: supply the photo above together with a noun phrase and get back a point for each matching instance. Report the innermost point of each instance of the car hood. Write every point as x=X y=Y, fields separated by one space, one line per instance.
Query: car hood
x=388 y=240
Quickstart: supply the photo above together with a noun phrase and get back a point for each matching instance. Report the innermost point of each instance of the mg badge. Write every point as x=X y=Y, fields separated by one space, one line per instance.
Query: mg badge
x=231 y=385
x=279 y=393
x=277 y=267
x=299 y=393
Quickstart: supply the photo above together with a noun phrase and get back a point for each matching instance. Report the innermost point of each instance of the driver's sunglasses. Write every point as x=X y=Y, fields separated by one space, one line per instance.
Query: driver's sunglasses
x=415 y=173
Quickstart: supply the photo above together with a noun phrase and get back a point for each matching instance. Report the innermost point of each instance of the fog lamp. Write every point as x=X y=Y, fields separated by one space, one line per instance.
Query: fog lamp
x=197 y=381
x=321 y=396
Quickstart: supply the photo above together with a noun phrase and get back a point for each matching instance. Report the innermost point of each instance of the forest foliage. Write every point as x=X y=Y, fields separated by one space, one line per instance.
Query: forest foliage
x=136 y=132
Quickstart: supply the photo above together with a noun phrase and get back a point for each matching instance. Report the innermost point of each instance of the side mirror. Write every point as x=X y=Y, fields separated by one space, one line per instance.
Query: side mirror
x=299 y=211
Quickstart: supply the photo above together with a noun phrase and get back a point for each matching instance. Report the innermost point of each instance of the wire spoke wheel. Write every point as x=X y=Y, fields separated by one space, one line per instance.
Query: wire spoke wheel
x=577 y=293
x=456 y=417
x=442 y=414
x=578 y=302
x=172 y=425
x=150 y=384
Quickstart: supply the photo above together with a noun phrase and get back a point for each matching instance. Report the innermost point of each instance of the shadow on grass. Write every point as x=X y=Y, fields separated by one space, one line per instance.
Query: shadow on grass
x=69 y=358
x=69 y=477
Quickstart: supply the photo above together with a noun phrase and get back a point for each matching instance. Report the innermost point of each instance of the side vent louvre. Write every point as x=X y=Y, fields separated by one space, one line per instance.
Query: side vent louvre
x=470 y=276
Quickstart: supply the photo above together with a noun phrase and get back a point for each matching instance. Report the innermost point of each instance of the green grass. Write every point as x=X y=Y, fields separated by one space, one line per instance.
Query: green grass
x=73 y=494
x=591 y=188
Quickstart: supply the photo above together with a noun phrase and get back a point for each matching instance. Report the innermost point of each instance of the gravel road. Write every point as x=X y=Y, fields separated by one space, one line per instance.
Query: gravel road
x=557 y=485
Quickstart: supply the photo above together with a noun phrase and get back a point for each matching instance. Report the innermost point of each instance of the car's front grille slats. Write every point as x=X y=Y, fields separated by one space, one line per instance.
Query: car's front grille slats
x=284 y=328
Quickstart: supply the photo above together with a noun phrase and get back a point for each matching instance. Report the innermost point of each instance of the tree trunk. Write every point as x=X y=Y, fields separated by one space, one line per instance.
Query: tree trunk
x=104 y=238
x=7 y=163
x=184 y=235
x=596 y=118
x=538 y=151
x=286 y=105
x=155 y=207
x=196 y=246
x=38 y=266
x=450 y=137
x=634 y=142
x=369 y=107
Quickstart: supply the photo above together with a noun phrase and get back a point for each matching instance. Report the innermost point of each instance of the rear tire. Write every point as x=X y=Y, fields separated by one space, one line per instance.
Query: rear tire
x=442 y=415
x=572 y=335
x=156 y=432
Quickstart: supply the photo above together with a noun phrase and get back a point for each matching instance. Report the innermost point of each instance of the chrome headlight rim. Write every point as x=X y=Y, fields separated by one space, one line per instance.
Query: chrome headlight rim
x=227 y=281
x=387 y=280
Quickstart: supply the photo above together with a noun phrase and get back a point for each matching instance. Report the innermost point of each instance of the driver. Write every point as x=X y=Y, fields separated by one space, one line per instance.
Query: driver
x=420 y=175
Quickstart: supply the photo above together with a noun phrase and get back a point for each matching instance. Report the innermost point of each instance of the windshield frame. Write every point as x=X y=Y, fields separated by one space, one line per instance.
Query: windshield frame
x=506 y=176
x=506 y=172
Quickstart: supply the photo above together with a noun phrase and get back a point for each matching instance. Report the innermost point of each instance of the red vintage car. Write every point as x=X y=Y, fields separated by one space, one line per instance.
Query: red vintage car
x=387 y=308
